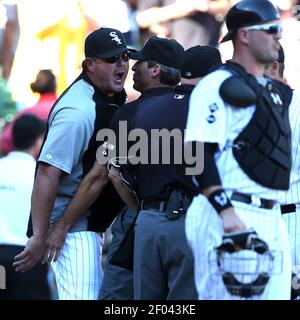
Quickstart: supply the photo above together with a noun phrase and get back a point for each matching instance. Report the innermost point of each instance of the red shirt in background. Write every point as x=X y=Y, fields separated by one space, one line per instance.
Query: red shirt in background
x=41 y=109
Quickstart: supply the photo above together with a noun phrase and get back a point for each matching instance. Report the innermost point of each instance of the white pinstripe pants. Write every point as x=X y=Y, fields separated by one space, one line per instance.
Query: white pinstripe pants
x=204 y=232
x=78 y=270
x=292 y=222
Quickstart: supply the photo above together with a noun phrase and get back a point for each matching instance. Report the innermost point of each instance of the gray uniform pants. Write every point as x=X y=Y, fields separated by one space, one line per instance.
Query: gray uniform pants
x=117 y=282
x=163 y=261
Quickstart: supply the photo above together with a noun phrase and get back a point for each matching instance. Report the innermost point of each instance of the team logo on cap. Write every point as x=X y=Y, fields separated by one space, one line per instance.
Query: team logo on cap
x=115 y=37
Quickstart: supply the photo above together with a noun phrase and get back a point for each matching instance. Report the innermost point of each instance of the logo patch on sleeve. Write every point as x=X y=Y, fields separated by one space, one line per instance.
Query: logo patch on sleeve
x=211 y=118
x=212 y=108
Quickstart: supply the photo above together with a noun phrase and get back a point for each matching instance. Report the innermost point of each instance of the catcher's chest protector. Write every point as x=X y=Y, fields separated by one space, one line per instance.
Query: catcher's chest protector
x=263 y=148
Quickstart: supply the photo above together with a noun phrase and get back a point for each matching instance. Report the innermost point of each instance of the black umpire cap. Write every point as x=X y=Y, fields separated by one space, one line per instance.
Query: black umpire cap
x=198 y=60
x=247 y=13
x=167 y=52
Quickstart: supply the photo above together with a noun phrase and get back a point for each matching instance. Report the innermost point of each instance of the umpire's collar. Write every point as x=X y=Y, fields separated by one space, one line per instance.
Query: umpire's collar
x=185 y=88
x=158 y=91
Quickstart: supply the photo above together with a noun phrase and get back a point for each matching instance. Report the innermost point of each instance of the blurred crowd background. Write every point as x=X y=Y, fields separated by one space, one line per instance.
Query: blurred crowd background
x=49 y=35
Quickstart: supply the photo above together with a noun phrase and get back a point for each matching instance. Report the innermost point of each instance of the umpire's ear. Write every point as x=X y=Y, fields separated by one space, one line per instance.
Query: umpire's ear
x=155 y=71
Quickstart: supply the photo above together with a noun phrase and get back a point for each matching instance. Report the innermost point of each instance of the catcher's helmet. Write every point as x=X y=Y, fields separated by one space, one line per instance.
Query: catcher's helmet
x=247 y=13
x=245 y=263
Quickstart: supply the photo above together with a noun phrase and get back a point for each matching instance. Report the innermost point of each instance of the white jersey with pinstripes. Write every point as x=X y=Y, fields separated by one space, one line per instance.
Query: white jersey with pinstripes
x=292 y=196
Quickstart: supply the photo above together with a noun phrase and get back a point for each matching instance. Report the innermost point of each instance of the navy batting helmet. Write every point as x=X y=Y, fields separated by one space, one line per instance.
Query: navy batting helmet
x=247 y=13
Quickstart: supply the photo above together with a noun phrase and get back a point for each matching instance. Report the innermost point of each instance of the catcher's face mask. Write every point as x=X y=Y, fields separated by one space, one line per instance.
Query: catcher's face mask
x=245 y=263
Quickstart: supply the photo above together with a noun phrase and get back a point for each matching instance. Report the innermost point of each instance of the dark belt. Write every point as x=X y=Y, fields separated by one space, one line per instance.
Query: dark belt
x=288 y=208
x=154 y=205
x=170 y=210
x=253 y=200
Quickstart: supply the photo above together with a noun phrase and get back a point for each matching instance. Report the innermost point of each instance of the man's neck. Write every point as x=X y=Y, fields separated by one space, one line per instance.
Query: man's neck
x=250 y=65
x=30 y=151
x=193 y=81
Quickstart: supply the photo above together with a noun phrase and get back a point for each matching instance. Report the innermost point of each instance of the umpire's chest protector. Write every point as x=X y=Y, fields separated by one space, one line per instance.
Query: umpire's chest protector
x=263 y=148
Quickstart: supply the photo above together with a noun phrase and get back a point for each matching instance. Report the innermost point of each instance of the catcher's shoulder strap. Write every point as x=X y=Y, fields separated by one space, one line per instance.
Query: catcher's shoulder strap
x=285 y=91
x=263 y=146
x=241 y=89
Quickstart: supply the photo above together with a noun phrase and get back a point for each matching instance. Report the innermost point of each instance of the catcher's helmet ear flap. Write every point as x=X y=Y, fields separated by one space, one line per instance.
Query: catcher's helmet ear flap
x=245 y=263
x=247 y=13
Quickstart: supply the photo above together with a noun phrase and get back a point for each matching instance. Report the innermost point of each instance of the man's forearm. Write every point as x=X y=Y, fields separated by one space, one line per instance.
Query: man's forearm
x=43 y=198
x=160 y=14
x=86 y=194
x=126 y=195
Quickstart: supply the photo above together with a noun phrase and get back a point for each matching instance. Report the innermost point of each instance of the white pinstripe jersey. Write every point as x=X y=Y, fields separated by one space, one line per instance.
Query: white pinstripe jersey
x=293 y=194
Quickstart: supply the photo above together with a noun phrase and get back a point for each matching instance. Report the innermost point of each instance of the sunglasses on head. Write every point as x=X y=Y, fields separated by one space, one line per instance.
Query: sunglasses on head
x=269 y=28
x=124 y=56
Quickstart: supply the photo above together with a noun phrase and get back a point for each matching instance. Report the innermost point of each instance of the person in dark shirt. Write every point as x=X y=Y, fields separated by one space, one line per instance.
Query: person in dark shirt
x=155 y=75
x=163 y=262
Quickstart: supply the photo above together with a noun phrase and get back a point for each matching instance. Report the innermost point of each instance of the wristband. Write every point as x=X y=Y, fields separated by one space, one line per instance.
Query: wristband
x=219 y=200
